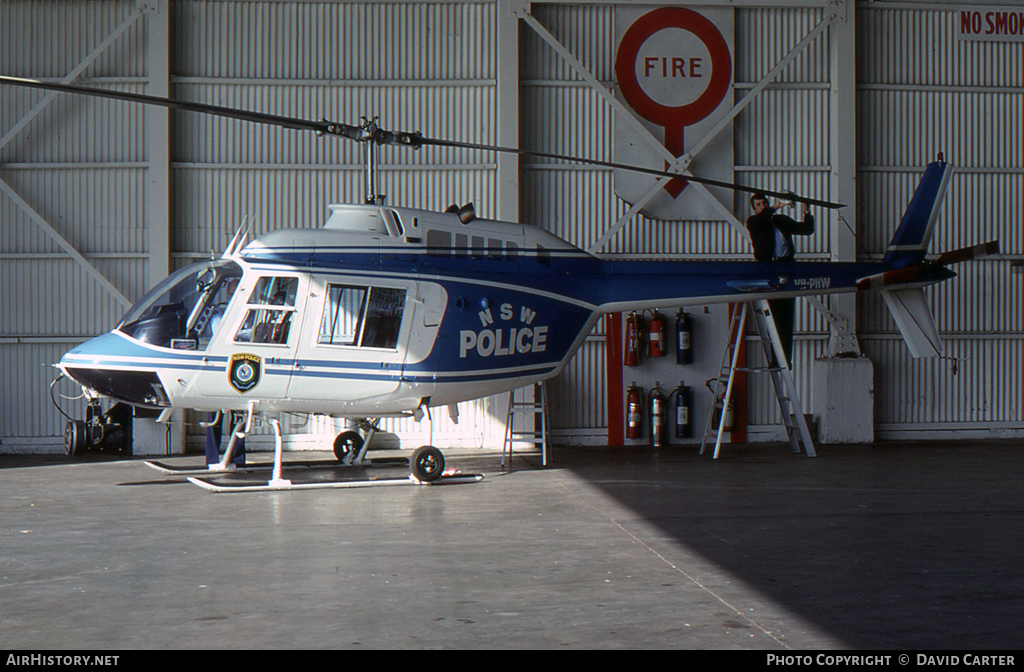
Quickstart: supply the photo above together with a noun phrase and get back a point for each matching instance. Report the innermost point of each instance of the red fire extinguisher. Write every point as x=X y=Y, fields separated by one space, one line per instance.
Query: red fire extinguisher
x=657 y=335
x=632 y=355
x=684 y=410
x=684 y=338
x=634 y=412
x=659 y=416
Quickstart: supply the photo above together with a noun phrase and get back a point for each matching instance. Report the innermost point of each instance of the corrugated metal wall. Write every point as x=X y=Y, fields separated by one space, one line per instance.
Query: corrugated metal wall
x=80 y=165
x=922 y=91
x=782 y=142
x=431 y=66
x=418 y=66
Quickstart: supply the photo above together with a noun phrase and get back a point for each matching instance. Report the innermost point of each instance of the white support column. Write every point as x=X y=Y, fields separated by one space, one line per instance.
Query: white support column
x=843 y=160
x=507 y=65
x=158 y=174
x=843 y=126
x=843 y=383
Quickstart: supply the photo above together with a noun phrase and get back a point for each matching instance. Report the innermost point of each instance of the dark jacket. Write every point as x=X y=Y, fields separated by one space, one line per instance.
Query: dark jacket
x=762 y=233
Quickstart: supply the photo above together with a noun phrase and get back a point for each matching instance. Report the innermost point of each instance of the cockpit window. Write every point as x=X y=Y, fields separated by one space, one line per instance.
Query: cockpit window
x=182 y=311
x=212 y=314
x=271 y=307
x=274 y=292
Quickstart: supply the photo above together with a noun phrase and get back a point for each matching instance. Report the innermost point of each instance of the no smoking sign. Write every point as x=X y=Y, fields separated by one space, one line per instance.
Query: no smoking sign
x=674 y=70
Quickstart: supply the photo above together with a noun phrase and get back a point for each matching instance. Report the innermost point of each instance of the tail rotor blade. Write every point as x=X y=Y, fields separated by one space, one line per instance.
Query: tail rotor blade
x=968 y=253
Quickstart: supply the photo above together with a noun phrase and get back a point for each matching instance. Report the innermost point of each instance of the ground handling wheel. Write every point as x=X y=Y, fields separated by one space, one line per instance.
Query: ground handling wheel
x=427 y=464
x=75 y=438
x=347 y=444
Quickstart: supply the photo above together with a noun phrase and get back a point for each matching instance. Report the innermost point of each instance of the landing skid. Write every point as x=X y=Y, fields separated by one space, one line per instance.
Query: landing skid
x=426 y=464
x=221 y=488
x=215 y=470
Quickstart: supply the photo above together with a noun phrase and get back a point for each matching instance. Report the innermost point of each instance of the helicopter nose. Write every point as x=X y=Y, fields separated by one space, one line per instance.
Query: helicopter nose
x=103 y=365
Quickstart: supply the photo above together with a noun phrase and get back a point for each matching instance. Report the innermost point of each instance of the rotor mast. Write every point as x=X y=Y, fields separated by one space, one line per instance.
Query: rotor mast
x=371 y=157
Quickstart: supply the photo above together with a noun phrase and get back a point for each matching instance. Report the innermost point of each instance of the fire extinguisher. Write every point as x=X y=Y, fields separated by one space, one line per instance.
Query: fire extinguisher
x=659 y=416
x=657 y=335
x=632 y=357
x=726 y=406
x=727 y=426
x=684 y=338
x=684 y=410
x=634 y=412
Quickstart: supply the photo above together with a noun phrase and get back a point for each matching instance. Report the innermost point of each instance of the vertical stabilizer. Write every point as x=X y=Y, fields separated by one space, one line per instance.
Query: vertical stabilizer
x=910 y=243
x=910 y=310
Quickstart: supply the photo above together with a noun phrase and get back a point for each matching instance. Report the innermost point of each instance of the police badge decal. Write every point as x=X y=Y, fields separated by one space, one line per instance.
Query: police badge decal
x=244 y=371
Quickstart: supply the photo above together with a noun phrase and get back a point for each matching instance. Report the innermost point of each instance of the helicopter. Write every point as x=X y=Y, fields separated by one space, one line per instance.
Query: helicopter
x=390 y=311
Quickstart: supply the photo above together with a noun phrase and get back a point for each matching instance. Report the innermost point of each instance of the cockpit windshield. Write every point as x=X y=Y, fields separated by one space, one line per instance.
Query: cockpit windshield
x=183 y=311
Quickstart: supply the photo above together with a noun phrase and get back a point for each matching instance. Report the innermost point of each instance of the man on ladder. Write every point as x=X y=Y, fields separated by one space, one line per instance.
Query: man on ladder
x=771 y=235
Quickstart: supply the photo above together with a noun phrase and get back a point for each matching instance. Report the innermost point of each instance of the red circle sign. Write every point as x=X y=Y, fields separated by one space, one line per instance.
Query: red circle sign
x=673 y=118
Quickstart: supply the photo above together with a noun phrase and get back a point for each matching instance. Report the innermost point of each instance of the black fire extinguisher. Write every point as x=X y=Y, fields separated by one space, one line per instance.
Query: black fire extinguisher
x=684 y=410
x=657 y=335
x=684 y=338
x=634 y=412
x=659 y=416
x=632 y=356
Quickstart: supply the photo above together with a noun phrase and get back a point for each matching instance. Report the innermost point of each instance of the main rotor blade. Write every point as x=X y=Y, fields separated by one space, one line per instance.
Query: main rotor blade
x=789 y=196
x=372 y=132
x=322 y=127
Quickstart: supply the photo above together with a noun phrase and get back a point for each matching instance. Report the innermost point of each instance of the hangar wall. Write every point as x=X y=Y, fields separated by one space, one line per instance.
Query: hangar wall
x=76 y=202
x=921 y=91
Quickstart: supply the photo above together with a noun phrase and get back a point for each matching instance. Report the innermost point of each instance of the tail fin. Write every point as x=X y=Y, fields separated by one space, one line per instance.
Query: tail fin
x=910 y=243
x=907 y=249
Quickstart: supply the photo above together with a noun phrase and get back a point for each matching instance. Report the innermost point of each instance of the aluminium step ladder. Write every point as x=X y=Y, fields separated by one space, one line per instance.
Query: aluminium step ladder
x=519 y=404
x=777 y=367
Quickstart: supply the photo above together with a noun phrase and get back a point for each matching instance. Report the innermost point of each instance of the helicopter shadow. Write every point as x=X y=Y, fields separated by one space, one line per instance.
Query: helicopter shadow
x=883 y=546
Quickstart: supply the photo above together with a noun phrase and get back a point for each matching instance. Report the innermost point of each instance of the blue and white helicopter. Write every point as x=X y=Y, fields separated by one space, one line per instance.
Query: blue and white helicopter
x=389 y=311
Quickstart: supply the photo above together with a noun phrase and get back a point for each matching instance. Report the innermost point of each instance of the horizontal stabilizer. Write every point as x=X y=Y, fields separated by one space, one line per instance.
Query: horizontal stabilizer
x=897 y=276
x=910 y=310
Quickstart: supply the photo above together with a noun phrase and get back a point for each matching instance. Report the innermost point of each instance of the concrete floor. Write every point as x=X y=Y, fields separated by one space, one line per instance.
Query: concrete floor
x=891 y=546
